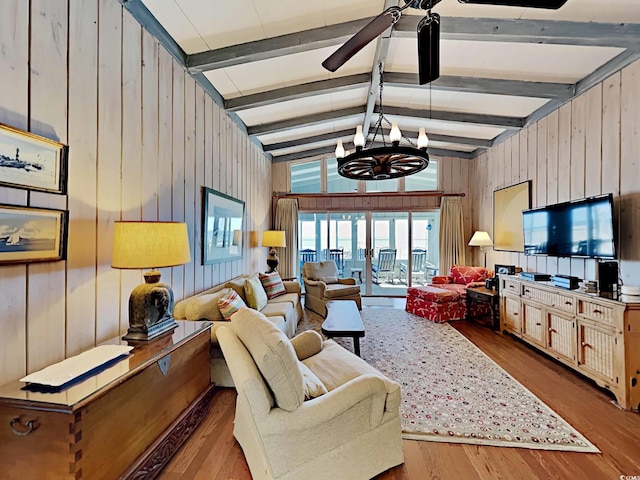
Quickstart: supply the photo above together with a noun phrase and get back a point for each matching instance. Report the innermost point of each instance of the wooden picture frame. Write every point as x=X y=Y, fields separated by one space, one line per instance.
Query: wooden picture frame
x=32 y=162
x=222 y=227
x=29 y=234
x=508 y=204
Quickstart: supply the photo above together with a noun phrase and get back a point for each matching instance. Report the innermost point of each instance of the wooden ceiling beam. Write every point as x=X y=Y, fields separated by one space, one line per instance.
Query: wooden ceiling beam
x=304 y=121
x=480 y=119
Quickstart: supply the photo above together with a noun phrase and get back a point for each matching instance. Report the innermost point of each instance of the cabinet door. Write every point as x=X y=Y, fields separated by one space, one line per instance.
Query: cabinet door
x=561 y=338
x=533 y=324
x=596 y=350
x=511 y=314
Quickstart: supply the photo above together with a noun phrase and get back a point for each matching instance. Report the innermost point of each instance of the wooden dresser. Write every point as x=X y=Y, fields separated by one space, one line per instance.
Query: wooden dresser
x=124 y=422
x=596 y=336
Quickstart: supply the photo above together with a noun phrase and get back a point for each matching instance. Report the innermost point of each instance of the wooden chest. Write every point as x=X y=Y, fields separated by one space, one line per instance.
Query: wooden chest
x=124 y=421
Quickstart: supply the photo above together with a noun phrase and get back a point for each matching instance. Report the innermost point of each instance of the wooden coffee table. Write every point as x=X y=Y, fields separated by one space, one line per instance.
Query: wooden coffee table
x=343 y=320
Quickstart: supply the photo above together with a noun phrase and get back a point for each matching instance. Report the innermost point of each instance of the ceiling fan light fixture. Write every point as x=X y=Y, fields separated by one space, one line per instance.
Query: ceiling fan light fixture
x=429 y=48
x=548 y=4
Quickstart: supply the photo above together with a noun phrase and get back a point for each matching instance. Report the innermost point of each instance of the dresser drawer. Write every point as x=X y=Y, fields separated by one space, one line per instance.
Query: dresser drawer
x=512 y=286
x=551 y=299
x=602 y=313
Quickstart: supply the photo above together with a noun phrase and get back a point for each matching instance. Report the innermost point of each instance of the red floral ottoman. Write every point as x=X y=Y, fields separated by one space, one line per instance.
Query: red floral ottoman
x=435 y=304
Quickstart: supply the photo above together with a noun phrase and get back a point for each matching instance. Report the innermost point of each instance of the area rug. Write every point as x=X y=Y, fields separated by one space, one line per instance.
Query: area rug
x=451 y=390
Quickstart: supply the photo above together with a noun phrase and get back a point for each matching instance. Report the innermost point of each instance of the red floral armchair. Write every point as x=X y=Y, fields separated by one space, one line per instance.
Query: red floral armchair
x=462 y=277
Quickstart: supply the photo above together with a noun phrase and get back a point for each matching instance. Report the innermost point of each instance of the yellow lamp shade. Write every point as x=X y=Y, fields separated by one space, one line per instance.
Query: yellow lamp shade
x=273 y=238
x=150 y=245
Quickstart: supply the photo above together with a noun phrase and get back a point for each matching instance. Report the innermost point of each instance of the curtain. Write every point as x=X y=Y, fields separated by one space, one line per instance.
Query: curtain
x=286 y=219
x=452 y=241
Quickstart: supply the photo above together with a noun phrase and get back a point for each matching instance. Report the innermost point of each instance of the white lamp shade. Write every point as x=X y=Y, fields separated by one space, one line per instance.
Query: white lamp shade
x=480 y=239
x=395 y=135
x=358 y=140
x=339 y=150
x=273 y=238
x=423 y=140
x=150 y=245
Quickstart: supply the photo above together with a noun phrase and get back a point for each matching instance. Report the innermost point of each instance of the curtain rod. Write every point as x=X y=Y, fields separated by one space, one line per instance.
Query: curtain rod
x=431 y=193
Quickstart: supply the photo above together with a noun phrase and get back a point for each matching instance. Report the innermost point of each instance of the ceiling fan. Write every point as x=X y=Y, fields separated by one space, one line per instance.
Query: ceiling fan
x=428 y=33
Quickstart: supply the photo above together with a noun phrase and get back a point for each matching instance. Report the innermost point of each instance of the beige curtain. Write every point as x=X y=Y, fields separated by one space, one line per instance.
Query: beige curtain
x=452 y=241
x=286 y=219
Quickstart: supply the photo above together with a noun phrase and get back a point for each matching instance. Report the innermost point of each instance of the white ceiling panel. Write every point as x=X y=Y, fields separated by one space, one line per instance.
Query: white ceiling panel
x=450 y=101
x=304 y=106
x=288 y=70
x=178 y=24
x=512 y=61
x=446 y=128
x=302 y=132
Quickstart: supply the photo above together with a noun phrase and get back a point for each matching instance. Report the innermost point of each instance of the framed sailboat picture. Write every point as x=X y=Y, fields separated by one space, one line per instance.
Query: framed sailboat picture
x=30 y=234
x=32 y=162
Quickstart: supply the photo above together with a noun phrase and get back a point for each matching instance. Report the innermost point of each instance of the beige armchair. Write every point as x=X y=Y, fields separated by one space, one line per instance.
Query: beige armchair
x=322 y=284
x=307 y=408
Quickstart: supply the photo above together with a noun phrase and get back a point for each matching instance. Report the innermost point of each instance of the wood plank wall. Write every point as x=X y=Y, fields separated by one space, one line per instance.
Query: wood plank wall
x=588 y=146
x=143 y=138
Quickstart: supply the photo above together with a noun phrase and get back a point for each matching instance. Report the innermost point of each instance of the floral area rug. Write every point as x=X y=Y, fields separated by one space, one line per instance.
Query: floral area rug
x=451 y=390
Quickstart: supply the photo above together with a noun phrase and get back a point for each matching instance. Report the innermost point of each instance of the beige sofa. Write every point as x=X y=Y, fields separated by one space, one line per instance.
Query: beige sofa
x=285 y=311
x=308 y=408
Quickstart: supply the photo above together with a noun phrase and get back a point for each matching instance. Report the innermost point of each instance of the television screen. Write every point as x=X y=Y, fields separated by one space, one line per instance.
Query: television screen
x=580 y=228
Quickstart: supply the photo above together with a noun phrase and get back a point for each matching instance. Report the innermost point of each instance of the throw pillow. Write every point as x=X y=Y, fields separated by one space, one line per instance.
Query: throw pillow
x=230 y=303
x=307 y=343
x=313 y=387
x=274 y=356
x=254 y=293
x=272 y=284
x=205 y=307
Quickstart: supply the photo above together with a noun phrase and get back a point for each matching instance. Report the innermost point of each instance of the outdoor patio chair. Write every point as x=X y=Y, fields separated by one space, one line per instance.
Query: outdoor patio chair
x=418 y=259
x=337 y=255
x=385 y=265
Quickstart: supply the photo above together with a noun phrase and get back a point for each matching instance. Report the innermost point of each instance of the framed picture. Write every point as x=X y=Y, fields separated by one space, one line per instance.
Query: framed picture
x=32 y=162
x=30 y=234
x=222 y=227
x=508 y=204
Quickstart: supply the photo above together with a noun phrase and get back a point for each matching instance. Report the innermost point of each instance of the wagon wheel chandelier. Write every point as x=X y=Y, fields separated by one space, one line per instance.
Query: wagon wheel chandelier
x=386 y=161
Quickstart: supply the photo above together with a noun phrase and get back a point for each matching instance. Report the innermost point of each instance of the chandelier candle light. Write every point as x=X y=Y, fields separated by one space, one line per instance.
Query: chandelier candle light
x=386 y=161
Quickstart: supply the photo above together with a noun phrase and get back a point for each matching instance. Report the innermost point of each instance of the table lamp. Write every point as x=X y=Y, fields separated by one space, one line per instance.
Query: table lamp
x=273 y=239
x=141 y=245
x=481 y=239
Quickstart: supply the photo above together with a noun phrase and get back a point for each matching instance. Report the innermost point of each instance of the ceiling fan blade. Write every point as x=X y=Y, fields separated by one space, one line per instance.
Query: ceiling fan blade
x=356 y=43
x=549 y=4
x=429 y=48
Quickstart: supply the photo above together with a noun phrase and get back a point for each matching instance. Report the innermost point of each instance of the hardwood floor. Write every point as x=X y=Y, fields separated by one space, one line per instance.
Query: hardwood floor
x=212 y=453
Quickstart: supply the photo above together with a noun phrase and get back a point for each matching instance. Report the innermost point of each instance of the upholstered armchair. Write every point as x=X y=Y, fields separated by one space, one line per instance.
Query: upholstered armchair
x=308 y=408
x=322 y=284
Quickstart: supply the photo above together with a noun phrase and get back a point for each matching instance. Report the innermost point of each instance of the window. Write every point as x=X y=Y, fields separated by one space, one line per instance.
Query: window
x=305 y=177
x=337 y=183
x=390 y=185
x=424 y=180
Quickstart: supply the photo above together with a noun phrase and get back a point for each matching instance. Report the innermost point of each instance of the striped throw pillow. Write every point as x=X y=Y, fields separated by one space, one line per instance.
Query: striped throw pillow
x=230 y=304
x=272 y=284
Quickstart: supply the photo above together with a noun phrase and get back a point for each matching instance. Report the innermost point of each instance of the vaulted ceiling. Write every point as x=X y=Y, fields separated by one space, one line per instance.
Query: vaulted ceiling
x=501 y=67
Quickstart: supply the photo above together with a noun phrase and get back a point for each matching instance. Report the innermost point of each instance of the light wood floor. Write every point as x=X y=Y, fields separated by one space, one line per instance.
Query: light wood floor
x=212 y=453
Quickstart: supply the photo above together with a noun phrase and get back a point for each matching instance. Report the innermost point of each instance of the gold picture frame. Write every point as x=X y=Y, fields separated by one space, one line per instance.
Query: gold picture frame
x=508 y=204
x=32 y=162
x=29 y=234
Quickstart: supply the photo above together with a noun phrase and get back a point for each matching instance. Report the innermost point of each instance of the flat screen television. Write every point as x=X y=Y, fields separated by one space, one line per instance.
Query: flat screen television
x=579 y=228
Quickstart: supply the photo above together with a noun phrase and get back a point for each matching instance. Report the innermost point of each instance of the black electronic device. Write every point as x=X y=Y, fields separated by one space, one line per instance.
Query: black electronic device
x=536 y=276
x=579 y=228
x=491 y=283
x=608 y=276
x=505 y=269
x=571 y=283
